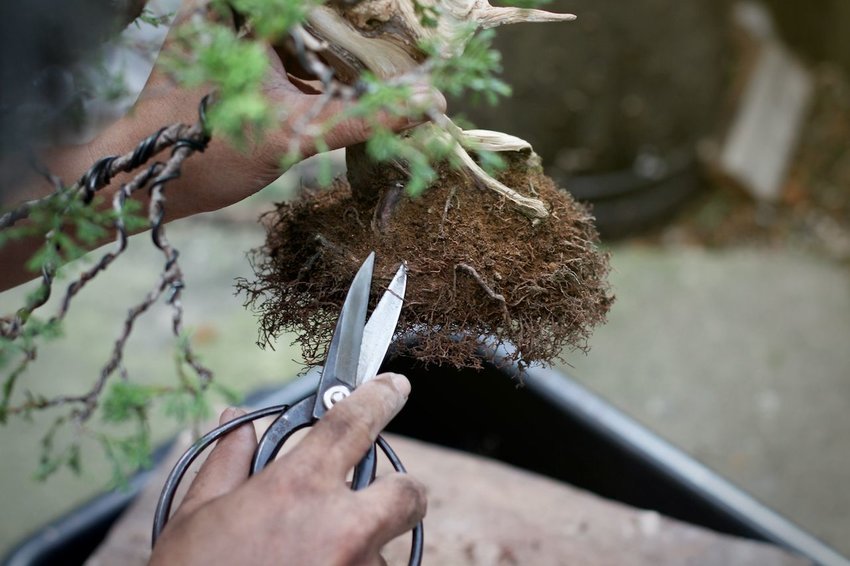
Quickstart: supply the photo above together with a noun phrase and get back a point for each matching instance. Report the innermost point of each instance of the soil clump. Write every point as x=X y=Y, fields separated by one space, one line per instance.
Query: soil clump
x=476 y=268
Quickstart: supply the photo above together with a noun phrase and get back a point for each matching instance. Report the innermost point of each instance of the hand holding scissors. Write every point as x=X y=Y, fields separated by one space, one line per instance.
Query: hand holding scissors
x=355 y=353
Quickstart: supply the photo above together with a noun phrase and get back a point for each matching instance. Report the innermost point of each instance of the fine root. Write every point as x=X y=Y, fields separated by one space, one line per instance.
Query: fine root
x=487 y=289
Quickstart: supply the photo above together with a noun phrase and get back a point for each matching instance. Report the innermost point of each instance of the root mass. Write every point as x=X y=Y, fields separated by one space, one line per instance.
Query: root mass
x=477 y=268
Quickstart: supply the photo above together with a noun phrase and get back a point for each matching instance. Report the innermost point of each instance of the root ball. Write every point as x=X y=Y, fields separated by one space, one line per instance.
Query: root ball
x=476 y=268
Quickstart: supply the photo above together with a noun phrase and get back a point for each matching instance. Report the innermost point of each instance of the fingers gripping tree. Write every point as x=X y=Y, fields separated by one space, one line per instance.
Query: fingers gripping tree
x=494 y=248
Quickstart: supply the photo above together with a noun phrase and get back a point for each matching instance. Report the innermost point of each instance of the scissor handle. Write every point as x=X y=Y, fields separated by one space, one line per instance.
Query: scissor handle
x=169 y=489
x=288 y=423
x=290 y=420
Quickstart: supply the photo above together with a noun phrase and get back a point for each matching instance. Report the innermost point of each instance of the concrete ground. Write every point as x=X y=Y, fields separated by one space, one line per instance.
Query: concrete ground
x=739 y=357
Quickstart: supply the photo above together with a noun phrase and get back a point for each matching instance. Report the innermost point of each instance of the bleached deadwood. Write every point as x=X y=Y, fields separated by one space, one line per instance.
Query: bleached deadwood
x=385 y=37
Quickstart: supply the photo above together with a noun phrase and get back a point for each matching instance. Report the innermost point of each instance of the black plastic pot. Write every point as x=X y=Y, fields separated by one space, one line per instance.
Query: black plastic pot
x=551 y=425
x=631 y=200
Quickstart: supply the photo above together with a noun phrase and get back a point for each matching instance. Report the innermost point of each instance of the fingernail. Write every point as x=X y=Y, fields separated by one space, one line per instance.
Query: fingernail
x=229 y=414
x=401 y=383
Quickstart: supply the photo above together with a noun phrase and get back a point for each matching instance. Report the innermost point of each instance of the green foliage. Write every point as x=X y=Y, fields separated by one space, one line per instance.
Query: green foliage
x=419 y=151
x=271 y=19
x=127 y=442
x=124 y=400
x=428 y=14
x=186 y=406
x=128 y=454
x=70 y=228
x=213 y=55
x=491 y=161
x=23 y=349
x=50 y=461
x=472 y=72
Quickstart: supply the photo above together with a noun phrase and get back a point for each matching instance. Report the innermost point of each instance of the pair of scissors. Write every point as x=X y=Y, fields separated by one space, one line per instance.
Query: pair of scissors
x=355 y=353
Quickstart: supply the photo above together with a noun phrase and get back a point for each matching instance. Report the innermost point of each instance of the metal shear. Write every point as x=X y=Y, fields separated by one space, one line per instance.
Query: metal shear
x=356 y=351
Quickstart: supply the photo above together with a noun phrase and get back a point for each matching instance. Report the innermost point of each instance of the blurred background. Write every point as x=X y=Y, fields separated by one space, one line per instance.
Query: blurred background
x=712 y=139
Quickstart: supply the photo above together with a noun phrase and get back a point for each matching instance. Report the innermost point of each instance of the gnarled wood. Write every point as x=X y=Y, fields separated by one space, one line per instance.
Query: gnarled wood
x=384 y=36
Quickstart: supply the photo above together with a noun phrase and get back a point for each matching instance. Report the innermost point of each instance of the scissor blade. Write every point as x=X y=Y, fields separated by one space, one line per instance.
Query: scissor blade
x=344 y=351
x=378 y=333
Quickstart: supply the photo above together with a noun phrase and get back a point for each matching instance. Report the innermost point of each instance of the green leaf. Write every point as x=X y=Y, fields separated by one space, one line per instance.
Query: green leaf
x=272 y=19
x=185 y=406
x=473 y=71
x=212 y=54
x=125 y=400
x=127 y=454
x=150 y=18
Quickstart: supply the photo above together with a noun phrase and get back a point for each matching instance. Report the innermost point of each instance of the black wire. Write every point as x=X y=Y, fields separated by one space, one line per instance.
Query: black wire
x=201 y=144
x=99 y=174
x=144 y=150
x=417 y=544
x=202 y=116
x=96 y=177
x=46 y=287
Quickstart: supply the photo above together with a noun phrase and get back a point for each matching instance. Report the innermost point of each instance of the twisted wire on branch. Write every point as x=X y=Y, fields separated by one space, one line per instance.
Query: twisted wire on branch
x=184 y=141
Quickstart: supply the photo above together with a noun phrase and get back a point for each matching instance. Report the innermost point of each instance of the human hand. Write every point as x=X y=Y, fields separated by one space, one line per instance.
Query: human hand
x=222 y=175
x=298 y=510
x=225 y=174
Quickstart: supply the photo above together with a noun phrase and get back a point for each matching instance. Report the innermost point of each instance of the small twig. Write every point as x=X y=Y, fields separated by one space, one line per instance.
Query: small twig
x=90 y=398
x=487 y=289
x=448 y=205
x=22 y=211
x=11 y=380
x=121 y=237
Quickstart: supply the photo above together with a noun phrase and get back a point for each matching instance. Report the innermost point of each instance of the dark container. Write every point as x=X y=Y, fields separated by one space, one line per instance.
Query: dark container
x=550 y=425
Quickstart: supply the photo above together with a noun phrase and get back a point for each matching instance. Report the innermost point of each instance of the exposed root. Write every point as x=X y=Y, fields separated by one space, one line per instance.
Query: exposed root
x=531 y=207
x=487 y=289
x=387 y=205
x=446 y=207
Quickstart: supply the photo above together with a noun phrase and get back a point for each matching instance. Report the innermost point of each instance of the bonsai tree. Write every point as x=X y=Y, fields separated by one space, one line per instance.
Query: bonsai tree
x=495 y=251
x=504 y=254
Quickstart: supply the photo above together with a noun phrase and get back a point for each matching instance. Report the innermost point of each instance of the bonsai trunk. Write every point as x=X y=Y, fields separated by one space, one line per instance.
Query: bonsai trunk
x=375 y=184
